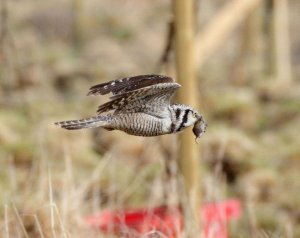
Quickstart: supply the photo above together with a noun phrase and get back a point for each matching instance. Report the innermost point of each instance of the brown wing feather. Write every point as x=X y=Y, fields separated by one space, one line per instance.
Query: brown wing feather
x=124 y=85
x=138 y=100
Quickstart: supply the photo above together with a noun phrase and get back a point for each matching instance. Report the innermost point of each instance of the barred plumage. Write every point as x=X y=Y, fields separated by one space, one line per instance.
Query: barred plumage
x=140 y=106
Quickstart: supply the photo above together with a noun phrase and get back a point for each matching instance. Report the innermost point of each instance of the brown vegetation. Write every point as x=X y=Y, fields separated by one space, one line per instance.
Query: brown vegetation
x=51 y=178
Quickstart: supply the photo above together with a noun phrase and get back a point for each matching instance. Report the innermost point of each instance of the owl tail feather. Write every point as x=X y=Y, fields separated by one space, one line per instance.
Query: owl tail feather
x=92 y=122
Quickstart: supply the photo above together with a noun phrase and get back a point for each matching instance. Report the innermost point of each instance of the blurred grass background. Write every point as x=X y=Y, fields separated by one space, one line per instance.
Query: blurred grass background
x=53 y=51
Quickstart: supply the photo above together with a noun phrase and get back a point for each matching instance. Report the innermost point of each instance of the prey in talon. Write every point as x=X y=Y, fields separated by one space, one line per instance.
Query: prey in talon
x=140 y=106
x=199 y=128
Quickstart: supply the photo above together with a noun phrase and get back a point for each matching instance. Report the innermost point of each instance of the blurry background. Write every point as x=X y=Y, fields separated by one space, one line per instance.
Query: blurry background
x=51 y=52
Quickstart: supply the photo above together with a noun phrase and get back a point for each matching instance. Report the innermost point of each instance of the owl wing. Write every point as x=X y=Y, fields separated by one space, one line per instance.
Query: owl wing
x=124 y=85
x=147 y=93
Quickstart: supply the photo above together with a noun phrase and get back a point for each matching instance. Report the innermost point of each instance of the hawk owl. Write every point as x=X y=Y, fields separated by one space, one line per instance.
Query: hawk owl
x=140 y=106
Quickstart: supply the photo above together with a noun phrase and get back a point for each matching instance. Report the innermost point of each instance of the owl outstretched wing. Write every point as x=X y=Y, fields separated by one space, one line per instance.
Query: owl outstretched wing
x=144 y=93
x=128 y=84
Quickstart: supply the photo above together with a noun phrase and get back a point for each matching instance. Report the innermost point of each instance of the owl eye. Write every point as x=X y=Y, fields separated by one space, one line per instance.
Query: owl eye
x=194 y=115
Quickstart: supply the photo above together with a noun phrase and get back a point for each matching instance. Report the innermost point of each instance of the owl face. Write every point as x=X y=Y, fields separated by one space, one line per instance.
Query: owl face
x=192 y=116
x=187 y=116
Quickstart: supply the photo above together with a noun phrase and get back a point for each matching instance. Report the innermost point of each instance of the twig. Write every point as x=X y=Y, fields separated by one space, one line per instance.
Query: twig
x=165 y=57
x=20 y=221
x=38 y=224
x=65 y=235
x=6 y=221
x=52 y=220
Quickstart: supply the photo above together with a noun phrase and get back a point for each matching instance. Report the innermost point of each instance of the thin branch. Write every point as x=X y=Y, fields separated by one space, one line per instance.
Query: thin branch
x=165 y=57
x=20 y=221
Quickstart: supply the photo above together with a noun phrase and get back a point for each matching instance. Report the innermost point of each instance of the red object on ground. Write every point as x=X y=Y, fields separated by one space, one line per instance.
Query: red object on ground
x=165 y=221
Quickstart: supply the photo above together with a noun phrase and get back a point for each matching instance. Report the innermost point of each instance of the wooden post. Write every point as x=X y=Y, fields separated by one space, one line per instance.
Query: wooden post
x=188 y=155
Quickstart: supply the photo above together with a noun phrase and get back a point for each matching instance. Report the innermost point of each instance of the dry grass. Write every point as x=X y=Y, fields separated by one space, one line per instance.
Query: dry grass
x=50 y=178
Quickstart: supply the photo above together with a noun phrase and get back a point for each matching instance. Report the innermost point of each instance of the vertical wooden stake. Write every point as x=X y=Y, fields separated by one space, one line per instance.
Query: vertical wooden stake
x=188 y=155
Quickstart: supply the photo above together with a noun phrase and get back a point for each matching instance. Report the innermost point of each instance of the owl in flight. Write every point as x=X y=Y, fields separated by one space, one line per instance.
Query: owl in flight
x=140 y=106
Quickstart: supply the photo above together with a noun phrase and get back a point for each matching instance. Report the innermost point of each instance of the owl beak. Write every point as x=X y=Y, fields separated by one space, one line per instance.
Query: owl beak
x=199 y=128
